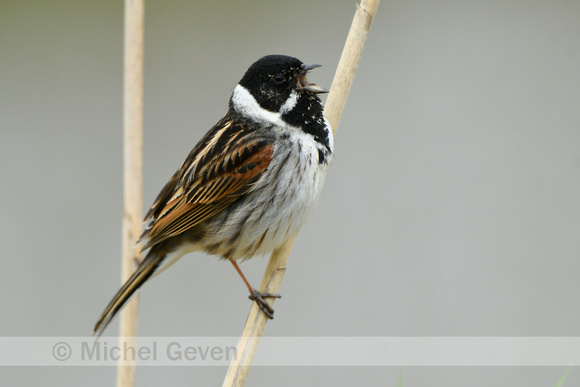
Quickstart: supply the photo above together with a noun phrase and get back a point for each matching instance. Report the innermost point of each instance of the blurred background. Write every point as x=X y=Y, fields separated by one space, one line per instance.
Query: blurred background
x=451 y=208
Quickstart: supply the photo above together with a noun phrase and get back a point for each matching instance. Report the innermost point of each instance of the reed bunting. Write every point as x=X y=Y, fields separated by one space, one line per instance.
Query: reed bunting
x=250 y=183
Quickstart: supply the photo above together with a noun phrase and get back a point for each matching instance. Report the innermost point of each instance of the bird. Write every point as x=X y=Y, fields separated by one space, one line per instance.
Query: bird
x=249 y=184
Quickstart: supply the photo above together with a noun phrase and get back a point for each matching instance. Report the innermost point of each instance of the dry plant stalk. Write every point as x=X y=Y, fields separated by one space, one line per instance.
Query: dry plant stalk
x=132 y=174
x=256 y=321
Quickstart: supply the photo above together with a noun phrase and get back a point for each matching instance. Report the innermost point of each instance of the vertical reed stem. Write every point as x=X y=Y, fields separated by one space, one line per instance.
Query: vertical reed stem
x=132 y=174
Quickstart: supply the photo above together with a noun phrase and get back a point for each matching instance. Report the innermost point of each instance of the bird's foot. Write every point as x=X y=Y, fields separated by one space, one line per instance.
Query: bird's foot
x=260 y=300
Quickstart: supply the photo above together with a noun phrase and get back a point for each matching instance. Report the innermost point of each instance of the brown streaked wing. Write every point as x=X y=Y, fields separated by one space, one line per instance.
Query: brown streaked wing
x=190 y=162
x=210 y=185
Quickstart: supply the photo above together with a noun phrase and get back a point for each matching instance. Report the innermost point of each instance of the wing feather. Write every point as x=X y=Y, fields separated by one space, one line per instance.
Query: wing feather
x=223 y=166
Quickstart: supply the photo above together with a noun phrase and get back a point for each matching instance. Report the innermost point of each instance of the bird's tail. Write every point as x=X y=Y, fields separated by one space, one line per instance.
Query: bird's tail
x=144 y=271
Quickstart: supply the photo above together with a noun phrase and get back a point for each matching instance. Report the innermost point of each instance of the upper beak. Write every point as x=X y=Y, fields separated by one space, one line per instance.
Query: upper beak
x=303 y=83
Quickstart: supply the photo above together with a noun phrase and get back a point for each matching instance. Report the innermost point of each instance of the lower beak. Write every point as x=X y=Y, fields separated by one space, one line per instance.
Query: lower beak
x=305 y=85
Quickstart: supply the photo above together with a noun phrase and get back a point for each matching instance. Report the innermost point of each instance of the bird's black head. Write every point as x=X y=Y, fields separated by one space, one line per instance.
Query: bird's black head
x=278 y=84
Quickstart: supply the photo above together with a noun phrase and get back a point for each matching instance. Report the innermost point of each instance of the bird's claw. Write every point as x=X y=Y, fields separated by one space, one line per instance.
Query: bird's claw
x=259 y=298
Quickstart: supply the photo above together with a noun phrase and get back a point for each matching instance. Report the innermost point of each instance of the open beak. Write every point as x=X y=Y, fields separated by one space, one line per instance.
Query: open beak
x=303 y=83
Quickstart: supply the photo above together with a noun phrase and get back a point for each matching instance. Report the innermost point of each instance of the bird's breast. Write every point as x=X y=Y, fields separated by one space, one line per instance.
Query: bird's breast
x=278 y=205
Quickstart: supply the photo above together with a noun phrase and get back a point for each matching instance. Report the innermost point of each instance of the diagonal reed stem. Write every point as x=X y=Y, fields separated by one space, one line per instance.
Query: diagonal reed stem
x=256 y=321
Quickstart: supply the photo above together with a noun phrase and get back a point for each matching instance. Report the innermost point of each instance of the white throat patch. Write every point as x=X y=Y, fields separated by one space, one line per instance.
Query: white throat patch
x=290 y=103
x=245 y=104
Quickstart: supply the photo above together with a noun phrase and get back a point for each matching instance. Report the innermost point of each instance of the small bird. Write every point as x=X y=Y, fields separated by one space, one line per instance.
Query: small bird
x=250 y=183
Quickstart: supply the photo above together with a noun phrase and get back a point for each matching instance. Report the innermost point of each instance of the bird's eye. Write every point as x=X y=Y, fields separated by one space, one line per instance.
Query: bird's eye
x=278 y=78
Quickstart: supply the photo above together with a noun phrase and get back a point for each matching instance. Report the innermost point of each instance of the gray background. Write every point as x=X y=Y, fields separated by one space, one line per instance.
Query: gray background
x=451 y=208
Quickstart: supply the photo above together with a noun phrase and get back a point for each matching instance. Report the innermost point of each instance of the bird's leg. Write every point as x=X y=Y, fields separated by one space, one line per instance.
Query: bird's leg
x=255 y=295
